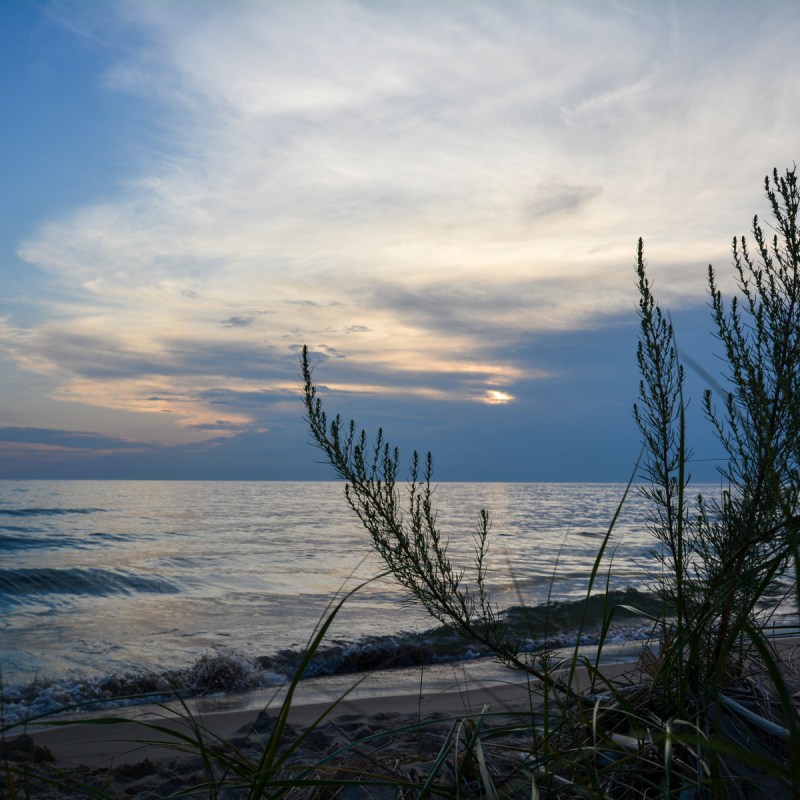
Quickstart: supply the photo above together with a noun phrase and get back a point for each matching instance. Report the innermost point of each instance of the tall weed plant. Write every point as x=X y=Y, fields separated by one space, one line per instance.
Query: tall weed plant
x=715 y=717
x=722 y=560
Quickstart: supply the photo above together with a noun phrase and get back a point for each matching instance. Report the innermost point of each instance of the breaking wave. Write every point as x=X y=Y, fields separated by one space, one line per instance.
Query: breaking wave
x=220 y=672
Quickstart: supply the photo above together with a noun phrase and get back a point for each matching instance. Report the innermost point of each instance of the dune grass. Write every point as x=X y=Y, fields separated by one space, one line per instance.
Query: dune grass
x=686 y=730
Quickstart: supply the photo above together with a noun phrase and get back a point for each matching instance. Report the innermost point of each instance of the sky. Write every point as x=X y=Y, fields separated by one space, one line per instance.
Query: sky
x=441 y=199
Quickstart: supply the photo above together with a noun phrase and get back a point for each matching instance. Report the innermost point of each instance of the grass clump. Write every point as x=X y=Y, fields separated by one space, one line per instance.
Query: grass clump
x=713 y=715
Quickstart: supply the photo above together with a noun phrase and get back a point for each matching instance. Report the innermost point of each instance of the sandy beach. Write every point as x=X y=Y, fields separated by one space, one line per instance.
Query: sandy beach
x=392 y=727
x=384 y=738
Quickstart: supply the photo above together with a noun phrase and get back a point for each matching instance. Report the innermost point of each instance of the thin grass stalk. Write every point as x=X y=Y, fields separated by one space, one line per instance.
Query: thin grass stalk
x=472 y=749
x=428 y=786
x=680 y=567
x=595 y=569
x=267 y=763
x=789 y=711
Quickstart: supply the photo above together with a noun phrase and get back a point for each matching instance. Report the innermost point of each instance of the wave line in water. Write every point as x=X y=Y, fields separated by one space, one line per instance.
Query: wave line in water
x=219 y=672
x=46 y=512
x=77 y=581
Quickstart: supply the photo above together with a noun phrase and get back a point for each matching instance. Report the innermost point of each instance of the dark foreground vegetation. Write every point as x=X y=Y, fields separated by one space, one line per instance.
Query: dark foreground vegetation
x=702 y=724
x=712 y=708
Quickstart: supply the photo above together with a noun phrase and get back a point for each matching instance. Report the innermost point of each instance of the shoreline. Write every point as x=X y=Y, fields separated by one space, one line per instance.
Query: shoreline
x=393 y=717
x=378 y=739
x=481 y=672
x=453 y=690
x=235 y=675
x=398 y=717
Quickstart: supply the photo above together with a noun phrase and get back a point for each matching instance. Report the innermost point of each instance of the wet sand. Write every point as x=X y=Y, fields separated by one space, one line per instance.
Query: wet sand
x=392 y=724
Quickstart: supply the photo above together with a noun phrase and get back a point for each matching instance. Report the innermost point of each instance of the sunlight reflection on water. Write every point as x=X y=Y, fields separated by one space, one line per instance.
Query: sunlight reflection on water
x=253 y=565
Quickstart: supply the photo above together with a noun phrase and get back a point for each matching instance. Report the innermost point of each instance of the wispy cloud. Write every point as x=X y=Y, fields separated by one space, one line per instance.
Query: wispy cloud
x=411 y=188
x=238 y=322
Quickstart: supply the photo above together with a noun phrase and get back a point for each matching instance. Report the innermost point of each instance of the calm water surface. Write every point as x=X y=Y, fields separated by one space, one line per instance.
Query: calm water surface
x=99 y=578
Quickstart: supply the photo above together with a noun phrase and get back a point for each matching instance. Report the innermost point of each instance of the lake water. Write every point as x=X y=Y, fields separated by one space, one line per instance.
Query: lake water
x=108 y=587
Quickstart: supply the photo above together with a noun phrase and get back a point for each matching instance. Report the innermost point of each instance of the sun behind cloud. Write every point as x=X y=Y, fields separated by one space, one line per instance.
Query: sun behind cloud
x=493 y=397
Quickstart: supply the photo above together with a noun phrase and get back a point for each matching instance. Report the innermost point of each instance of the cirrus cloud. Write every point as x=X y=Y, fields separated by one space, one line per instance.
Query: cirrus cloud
x=414 y=189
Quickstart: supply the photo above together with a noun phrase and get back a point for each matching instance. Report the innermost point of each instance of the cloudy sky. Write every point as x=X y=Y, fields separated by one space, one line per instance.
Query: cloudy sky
x=442 y=199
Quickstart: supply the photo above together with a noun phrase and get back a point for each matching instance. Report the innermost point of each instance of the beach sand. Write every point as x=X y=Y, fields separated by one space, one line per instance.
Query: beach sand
x=391 y=727
x=395 y=723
